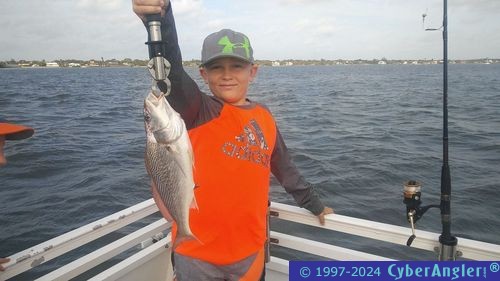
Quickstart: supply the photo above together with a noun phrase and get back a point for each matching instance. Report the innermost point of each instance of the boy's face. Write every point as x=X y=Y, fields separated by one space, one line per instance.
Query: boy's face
x=229 y=78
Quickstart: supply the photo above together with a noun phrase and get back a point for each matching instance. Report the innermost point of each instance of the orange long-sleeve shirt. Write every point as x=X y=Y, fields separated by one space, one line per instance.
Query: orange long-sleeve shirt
x=232 y=169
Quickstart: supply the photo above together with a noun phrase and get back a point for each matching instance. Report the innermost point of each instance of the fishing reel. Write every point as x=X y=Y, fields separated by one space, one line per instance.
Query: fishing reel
x=412 y=192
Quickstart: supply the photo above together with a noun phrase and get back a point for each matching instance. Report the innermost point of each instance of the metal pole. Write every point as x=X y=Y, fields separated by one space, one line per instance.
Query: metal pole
x=448 y=242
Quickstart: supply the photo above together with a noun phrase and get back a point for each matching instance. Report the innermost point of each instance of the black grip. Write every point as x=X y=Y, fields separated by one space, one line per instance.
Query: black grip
x=410 y=240
x=153 y=17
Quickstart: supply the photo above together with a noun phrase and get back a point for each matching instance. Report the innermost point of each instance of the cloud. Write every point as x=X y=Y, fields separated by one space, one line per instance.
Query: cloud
x=490 y=6
x=192 y=8
x=101 y=5
x=278 y=29
x=316 y=27
x=309 y=2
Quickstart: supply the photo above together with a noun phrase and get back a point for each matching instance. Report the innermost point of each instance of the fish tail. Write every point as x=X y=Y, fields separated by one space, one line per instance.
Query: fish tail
x=184 y=237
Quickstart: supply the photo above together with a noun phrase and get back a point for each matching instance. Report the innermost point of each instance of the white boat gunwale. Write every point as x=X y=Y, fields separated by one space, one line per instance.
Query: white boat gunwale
x=39 y=254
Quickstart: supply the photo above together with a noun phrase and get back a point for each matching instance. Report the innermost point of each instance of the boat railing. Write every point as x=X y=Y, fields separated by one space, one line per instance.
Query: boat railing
x=153 y=232
x=53 y=248
x=428 y=241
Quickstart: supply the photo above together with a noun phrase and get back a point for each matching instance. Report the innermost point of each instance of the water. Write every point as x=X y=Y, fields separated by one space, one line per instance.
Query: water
x=356 y=132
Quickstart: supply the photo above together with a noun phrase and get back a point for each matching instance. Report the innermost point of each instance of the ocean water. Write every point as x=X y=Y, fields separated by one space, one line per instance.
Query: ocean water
x=356 y=132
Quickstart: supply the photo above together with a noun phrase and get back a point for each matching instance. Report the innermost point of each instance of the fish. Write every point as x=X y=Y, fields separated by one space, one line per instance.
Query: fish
x=169 y=162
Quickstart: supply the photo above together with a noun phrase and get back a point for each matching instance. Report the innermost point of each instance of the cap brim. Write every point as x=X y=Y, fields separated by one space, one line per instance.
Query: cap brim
x=219 y=56
x=15 y=132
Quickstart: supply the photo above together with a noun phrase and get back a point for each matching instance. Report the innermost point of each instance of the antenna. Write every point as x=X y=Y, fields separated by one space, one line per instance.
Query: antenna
x=423 y=19
x=429 y=29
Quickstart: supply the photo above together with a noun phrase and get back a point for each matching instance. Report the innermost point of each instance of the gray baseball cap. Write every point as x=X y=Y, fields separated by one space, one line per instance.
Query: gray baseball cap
x=226 y=43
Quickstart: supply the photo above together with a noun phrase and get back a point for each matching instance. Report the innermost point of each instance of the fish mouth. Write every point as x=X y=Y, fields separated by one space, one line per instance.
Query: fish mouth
x=152 y=101
x=153 y=97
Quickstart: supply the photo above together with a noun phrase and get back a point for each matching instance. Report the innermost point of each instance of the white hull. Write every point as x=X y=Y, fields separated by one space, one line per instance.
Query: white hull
x=152 y=262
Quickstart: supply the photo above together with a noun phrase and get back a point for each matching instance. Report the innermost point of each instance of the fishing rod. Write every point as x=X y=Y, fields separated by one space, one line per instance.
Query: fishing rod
x=412 y=189
x=158 y=66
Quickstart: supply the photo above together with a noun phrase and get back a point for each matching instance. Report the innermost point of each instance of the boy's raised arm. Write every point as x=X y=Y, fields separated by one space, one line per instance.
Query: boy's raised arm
x=185 y=95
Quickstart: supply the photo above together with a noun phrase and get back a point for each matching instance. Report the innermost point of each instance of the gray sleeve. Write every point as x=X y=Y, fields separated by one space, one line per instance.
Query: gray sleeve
x=186 y=98
x=290 y=178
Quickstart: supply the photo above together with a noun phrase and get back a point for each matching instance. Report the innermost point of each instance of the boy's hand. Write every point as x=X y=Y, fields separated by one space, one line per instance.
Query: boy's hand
x=146 y=7
x=326 y=211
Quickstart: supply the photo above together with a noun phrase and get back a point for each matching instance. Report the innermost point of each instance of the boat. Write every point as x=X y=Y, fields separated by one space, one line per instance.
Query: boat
x=144 y=253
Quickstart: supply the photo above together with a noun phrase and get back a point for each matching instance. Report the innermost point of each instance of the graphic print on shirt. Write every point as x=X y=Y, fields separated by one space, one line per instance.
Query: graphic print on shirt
x=250 y=145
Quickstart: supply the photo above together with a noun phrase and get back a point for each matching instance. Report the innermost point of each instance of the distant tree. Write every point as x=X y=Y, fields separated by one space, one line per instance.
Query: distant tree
x=140 y=62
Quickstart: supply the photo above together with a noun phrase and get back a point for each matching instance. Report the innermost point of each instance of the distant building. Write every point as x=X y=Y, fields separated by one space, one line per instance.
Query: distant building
x=52 y=64
x=93 y=63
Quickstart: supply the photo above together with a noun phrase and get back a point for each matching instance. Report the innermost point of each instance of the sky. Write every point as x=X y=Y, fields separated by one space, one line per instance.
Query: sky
x=278 y=29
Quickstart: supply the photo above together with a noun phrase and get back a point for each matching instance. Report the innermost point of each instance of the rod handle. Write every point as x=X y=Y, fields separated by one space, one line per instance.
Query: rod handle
x=153 y=17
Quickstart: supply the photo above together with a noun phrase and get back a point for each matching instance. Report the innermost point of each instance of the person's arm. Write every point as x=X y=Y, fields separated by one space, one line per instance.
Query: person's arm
x=194 y=106
x=3 y=260
x=185 y=96
x=294 y=183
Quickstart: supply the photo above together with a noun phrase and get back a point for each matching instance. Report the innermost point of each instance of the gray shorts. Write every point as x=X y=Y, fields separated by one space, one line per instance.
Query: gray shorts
x=189 y=269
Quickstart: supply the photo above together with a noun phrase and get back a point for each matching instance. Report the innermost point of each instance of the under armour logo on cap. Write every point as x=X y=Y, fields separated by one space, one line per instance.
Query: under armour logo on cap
x=229 y=46
x=226 y=43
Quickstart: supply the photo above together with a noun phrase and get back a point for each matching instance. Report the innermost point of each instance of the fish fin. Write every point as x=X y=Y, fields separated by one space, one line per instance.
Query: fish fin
x=194 y=204
x=159 y=203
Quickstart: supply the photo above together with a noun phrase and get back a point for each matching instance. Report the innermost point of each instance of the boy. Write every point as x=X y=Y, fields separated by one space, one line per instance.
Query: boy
x=236 y=146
